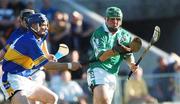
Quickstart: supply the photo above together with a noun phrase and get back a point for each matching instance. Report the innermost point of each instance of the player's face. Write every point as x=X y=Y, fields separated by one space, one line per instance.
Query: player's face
x=114 y=22
x=43 y=28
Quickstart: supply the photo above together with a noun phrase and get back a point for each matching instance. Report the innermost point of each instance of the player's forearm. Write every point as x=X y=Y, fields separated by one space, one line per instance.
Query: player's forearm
x=56 y=66
x=131 y=62
x=2 y=53
x=175 y=57
x=130 y=59
x=73 y=66
x=107 y=54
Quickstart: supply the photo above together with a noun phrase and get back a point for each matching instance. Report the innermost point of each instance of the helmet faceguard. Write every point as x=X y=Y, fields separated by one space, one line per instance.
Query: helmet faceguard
x=37 y=19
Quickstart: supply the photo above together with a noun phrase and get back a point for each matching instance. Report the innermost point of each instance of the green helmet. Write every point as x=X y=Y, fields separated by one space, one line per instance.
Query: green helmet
x=114 y=12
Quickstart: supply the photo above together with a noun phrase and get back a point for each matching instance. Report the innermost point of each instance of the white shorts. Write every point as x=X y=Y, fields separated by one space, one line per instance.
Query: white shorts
x=39 y=76
x=98 y=76
x=18 y=82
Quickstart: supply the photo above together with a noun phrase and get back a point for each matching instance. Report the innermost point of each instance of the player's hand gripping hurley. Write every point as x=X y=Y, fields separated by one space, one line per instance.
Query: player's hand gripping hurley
x=154 y=39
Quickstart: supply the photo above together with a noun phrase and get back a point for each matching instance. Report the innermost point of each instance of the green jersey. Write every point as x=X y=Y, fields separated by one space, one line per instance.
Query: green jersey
x=103 y=40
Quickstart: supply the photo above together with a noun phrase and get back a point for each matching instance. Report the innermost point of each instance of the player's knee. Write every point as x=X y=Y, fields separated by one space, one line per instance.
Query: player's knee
x=55 y=99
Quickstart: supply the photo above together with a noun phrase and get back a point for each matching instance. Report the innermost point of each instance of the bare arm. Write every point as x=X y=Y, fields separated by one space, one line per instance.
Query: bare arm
x=130 y=59
x=107 y=54
x=131 y=62
x=62 y=66
x=117 y=49
x=50 y=57
x=2 y=53
x=175 y=57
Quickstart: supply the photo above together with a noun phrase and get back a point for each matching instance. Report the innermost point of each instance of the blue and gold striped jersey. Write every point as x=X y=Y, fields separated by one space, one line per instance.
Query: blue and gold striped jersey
x=23 y=54
x=15 y=34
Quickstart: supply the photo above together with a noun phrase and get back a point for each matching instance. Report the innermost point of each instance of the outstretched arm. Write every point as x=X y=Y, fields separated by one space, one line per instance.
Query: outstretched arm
x=62 y=66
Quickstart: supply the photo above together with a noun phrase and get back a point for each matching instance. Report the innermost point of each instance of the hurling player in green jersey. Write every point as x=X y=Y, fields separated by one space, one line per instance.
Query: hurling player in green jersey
x=110 y=47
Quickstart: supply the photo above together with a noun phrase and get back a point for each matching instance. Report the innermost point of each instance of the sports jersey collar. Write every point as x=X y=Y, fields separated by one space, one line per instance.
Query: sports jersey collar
x=105 y=28
x=39 y=40
x=32 y=35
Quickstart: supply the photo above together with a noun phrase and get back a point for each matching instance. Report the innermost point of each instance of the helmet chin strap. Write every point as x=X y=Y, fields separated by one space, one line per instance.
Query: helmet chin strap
x=36 y=31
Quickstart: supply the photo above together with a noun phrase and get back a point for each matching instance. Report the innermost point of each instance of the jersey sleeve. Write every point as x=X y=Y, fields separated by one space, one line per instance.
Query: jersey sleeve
x=98 y=43
x=9 y=41
x=125 y=37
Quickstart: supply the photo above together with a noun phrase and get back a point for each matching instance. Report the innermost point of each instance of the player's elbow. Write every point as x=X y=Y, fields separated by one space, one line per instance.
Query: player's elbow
x=106 y=55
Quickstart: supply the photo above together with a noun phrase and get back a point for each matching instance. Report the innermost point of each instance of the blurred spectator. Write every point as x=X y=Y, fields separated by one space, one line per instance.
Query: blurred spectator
x=80 y=33
x=136 y=91
x=70 y=91
x=17 y=23
x=75 y=58
x=47 y=9
x=54 y=80
x=81 y=75
x=177 y=82
x=163 y=88
x=30 y=4
x=177 y=76
x=17 y=6
x=2 y=39
x=59 y=31
x=123 y=73
x=6 y=18
x=76 y=29
x=84 y=85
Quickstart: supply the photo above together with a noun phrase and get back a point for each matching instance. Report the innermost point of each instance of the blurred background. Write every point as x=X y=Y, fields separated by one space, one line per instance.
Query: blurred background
x=73 y=21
